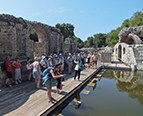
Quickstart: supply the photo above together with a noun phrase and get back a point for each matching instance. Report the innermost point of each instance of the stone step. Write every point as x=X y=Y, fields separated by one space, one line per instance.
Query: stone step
x=139 y=58
x=140 y=52
x=139 y=67
x=139 y=49
x=138 y=55
x=139 y=61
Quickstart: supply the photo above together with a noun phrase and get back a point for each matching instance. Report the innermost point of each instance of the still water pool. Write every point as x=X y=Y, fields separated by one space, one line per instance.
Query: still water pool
x=117 y=93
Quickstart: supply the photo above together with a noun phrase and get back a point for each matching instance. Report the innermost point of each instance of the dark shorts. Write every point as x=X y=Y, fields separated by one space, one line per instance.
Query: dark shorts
x=94 y=62
x=9 y=74
x=29 y=71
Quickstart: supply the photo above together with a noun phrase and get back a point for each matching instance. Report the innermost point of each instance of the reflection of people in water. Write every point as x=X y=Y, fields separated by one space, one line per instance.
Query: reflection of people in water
x=93 y=83
x=77 y=101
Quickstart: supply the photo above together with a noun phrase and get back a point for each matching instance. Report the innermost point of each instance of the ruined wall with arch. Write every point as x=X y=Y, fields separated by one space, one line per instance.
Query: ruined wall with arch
x=129 y=48
x=131 y=35
x=15 y=41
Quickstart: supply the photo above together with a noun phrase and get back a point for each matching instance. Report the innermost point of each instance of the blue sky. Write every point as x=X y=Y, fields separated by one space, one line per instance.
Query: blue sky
x=89 y=17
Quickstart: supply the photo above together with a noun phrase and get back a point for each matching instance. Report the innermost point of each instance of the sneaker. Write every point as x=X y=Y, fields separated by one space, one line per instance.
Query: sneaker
x=19 y=81
x=16 y=83
x=10 y=85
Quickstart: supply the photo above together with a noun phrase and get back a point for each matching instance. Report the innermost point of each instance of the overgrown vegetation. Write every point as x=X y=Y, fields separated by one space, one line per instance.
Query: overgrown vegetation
x=33 y=36
x=101 y=39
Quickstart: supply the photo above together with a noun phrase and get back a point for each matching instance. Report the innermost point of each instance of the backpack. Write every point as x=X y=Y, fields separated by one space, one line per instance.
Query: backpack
x=3 y=67
x=46 y=76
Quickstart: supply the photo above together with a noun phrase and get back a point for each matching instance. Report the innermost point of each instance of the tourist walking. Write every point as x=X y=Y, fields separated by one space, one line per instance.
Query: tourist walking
x=8 y=71
x=36 y=73
x=49 y=76
x=29 y=69
x=78 y=68
x=17 y=66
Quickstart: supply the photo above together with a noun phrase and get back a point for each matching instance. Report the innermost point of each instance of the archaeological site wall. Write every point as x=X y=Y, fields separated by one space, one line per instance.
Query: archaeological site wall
x=129 y=49
x=15 y=41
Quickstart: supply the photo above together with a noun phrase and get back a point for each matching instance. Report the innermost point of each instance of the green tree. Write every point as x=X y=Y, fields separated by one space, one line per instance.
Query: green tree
x=90 y=41
x=33 y=36
x=112 y=38
x=66 y=29
x=126 y=23
x=79 y=42
x=85 y=44
x=99 y=40
x=136 y=19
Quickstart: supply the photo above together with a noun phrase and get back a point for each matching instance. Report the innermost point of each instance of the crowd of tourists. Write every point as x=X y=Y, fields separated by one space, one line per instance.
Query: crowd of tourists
x=50 y=67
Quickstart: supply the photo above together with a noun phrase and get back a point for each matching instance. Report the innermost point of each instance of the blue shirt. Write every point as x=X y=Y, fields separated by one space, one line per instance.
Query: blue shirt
x=77 y=63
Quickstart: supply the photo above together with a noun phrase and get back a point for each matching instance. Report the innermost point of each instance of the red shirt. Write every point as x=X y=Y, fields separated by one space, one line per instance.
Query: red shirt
x=8 y=65
x=17 y=65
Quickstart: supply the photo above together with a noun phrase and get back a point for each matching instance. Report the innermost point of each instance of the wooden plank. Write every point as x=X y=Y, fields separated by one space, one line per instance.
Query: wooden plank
x=25 y=99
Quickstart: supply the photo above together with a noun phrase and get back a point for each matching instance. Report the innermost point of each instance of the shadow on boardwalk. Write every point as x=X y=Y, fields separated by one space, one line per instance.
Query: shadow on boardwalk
x=16 y=96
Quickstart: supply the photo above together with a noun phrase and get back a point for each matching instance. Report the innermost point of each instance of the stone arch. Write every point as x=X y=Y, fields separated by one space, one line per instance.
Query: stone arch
x=41 y=31
x=132 y=39
x=119 y=52
x=42 y=46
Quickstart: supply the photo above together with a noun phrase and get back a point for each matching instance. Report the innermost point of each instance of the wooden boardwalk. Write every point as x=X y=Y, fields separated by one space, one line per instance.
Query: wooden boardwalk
x=25 y=100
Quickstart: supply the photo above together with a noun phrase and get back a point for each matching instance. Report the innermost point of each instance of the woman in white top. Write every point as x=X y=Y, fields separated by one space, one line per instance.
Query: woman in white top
x=36 y=73
x=56 y=61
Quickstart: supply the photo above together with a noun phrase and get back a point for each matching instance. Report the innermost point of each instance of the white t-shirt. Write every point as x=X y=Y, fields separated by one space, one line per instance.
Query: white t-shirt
x=35 y=65
x=43 y=63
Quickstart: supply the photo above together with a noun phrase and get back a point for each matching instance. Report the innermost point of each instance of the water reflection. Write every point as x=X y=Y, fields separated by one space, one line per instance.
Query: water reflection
x=93 y=83
x=77 y=101
x=131 y=82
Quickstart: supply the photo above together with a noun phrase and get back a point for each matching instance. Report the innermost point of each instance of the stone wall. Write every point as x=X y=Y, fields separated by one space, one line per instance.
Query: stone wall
x=15 y=41
x=131 y=35
x=24 y=76
x=69 y=46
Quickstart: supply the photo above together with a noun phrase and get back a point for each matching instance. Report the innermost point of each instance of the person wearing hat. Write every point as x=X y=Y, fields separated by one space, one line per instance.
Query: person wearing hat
x=43 y=63
x=49 y=76
x=55 y=60
x=49 y=63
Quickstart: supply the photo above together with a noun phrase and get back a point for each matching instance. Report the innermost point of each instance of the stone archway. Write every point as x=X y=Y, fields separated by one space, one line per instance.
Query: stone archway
x=119 y=52
x=42 y=46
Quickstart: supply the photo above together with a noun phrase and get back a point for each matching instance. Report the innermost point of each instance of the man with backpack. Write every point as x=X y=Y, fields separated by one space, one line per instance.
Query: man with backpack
x=8 y=71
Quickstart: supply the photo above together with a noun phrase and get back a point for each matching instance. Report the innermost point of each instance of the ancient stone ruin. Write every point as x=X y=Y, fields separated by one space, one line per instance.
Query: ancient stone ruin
x=129 y=49
x=15 y=40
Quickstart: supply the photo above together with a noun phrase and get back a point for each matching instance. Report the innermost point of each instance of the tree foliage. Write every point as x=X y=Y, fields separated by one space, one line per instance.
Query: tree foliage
x=101 y=39
x=66 y=29
x=79 y=42
x=33 y=36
